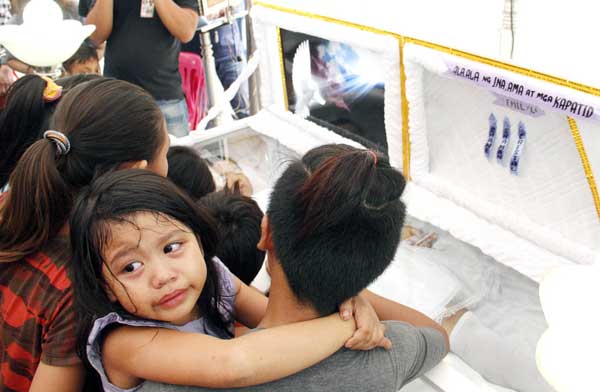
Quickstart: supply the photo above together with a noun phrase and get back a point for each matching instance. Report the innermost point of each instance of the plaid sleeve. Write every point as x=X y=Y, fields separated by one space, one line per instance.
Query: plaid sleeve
x=5 y=14
x=59 y=341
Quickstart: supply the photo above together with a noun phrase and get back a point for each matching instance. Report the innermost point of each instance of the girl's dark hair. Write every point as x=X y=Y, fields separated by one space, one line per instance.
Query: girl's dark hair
x=108 y=122
x=114 y=198
x=22 y=121
x=336 y=218
x=190 y=172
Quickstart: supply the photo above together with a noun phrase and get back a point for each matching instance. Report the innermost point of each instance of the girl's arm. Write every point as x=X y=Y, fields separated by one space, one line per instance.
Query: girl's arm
x=390 y=310
x=133 y=354
x=250 y=304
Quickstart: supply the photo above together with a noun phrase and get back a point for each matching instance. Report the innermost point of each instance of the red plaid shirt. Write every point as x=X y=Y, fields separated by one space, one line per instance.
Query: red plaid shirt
x=36 y=315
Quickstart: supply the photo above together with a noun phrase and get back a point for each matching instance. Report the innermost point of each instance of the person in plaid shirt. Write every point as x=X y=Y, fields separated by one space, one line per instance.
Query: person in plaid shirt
x=37 y=321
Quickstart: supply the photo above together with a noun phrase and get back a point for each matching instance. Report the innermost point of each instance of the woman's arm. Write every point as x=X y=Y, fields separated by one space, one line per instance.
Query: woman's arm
x=132 y=354
x=58 y=378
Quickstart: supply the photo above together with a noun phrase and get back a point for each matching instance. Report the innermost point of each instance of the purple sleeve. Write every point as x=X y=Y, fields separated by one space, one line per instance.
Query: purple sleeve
x=228 y=288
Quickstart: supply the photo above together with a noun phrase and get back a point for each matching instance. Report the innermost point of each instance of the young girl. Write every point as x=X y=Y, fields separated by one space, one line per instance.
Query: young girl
x=98 y=127
x=144 y=266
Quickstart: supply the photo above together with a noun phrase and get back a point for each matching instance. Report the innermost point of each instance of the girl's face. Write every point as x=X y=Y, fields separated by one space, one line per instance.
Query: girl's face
x=154 y=267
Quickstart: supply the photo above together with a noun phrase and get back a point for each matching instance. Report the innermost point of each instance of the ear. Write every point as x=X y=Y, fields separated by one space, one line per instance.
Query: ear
x=134 y=164
x=266 y=236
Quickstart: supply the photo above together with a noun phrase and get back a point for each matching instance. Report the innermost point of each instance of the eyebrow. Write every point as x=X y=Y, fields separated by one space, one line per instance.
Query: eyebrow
x=127 y=249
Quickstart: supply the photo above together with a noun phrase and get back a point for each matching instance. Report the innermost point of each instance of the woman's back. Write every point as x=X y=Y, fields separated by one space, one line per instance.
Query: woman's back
x=89 y=135
x=36 y=318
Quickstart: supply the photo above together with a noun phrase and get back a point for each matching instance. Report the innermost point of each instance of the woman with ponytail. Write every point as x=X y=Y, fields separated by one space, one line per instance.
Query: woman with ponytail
x=97 y=127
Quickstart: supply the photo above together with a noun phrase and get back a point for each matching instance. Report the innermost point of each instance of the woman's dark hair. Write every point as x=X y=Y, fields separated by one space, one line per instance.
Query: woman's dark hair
x=190 y=172
x=108 y=122
x=22 y=122
x=68 y=82
x=115 y=198
x=336 y=218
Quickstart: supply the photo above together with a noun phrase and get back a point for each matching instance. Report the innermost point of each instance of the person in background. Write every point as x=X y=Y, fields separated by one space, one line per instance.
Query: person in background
x=30 y=102
x=143 y=41
x=190 y=172
x=238 y=220
x=84 y=61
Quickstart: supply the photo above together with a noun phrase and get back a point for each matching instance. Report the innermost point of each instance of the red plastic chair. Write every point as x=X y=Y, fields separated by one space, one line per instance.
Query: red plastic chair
x=191 y=69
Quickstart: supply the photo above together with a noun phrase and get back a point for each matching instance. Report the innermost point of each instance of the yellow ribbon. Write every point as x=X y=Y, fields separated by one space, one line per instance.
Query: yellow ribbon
x=52 y=91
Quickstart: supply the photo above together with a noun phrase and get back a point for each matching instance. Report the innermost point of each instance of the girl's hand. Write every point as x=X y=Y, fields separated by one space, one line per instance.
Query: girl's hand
x=369 y=330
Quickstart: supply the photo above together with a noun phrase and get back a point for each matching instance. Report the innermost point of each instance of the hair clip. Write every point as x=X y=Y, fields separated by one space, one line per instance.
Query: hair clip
x=516 y=156
x=52 y=91
x=491 y=136
x=63 y=145
x=505 y=139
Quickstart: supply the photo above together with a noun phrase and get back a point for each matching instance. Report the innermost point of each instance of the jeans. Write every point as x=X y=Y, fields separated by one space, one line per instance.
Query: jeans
x=176 y=116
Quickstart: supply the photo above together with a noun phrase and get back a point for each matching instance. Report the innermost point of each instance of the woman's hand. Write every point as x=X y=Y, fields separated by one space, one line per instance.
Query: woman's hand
x=369 y=330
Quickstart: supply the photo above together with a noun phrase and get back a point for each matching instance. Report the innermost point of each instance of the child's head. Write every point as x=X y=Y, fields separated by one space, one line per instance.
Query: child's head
x=144 y=249
x=84 y=61
x=238 y=220
x=190 y=172
x=25 y=117
x=335 y=219
x=108 y=124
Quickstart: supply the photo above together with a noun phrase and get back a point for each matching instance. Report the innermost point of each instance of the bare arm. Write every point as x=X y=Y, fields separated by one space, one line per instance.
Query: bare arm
x=390 y=310
x=58 y=378
x=250 y=305
x=132 y=354
x=19 y=66
x=181 y=22
x=101 y=15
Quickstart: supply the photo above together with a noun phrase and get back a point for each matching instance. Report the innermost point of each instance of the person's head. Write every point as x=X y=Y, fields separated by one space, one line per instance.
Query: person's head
x=334 y=222
x=190 y=172
x=238 y=220
x=107 y=124
x=29 y=105
x=144 y=249
x=84 y=61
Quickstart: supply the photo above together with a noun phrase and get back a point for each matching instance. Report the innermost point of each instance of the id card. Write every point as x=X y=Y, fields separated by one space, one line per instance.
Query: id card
x=147 y=9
